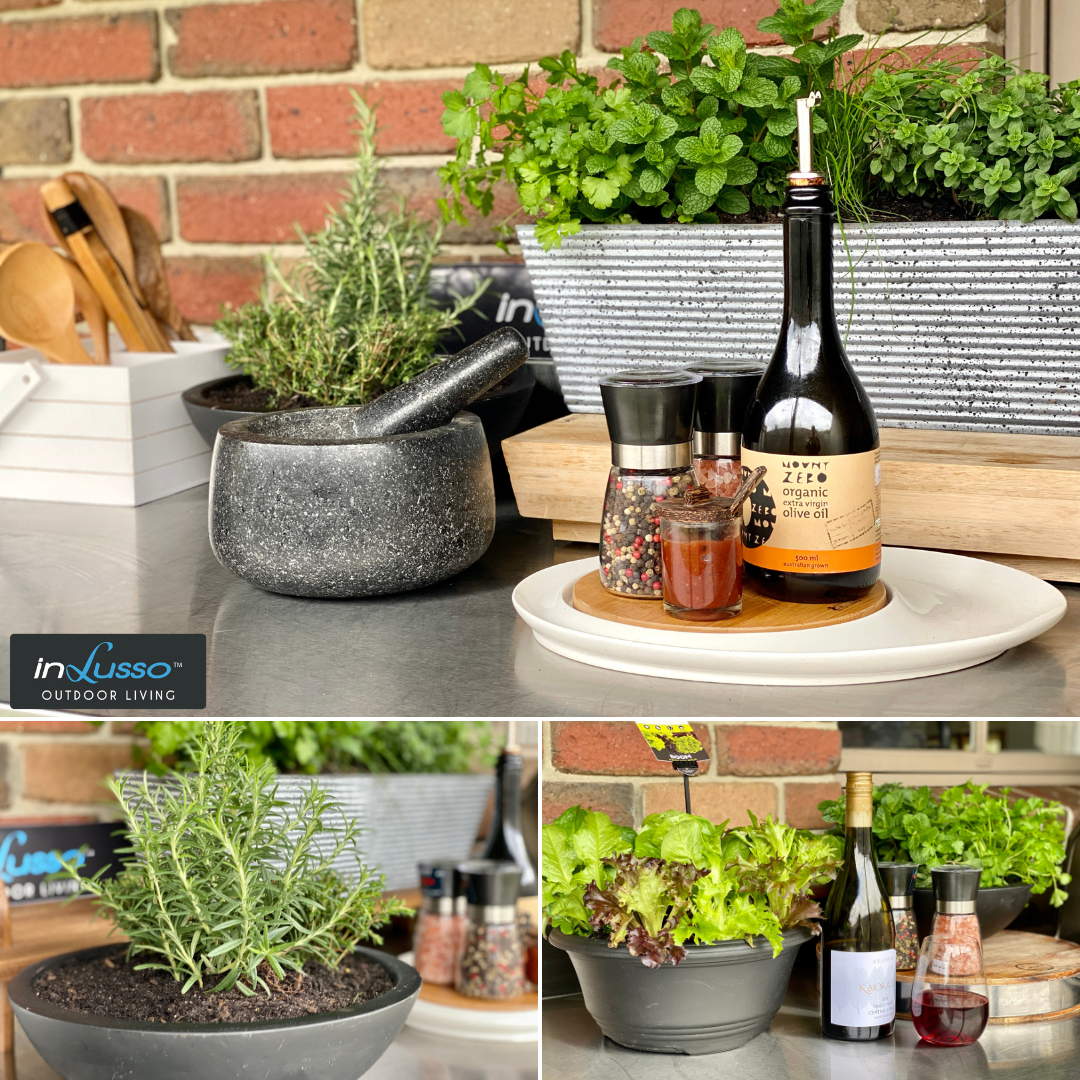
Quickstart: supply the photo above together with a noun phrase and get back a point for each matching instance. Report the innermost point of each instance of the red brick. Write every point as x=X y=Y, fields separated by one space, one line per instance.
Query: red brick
x=255 y=209
x=268 y=38
x=448 y=33
x=617 y=22
x=16 y=5
x=50 y=727
x=717 y=801
x=775 y=750
x=68 y=52
x=801 y=803
x=608 y=748
x=201 y=284
x=48 y=819
x=966 y=56
x=124 y=727
x=147 y=194
x=317 y=121
x=57 y=772
x=614 y=799
x=215 y=125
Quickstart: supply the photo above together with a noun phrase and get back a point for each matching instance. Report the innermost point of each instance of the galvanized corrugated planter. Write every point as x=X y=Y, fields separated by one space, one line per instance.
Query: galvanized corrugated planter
x=403 y=817
x=959 y=325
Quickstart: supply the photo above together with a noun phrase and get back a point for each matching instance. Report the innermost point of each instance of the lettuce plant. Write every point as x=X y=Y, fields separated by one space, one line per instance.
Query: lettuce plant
x=681 y=880
x=1019 y=842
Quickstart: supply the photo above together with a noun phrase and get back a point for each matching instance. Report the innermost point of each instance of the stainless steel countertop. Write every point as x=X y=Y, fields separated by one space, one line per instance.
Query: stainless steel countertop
x=413 y=1055
x=454 y=649
x=793 y=1048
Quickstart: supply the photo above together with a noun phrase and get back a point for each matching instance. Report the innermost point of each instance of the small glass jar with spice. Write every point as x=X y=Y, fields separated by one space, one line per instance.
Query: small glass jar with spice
x=701 y=553
x=493 y=958
x=649 y=417
x=725 y=393
x=439 y=935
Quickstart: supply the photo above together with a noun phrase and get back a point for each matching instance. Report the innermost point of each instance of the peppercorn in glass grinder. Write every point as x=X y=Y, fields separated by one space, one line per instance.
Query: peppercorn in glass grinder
x=950 y=1003
x=493 y=957
x=650 y=414
x=899 y=881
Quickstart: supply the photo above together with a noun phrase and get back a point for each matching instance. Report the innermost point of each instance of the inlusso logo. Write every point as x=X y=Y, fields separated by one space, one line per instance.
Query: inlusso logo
x=34 y=863
x=124 y=671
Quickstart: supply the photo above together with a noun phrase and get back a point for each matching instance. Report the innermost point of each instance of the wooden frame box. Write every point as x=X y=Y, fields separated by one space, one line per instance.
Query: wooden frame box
x=113 y=435
x=1011 y=498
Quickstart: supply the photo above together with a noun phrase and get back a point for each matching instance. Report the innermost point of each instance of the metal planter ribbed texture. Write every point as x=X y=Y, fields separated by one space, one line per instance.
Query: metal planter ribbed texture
x=969 y=325
x=404 y=817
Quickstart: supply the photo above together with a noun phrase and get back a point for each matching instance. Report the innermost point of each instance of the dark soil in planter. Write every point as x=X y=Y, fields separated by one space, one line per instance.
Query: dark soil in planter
x=239 y=395
x=107 y=986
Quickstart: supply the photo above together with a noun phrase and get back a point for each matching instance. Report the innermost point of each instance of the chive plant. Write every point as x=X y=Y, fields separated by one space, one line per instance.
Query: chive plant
x=223 y=884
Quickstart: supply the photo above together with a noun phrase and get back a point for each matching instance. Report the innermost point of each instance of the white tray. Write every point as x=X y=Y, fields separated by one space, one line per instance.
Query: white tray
x=945 y=612
x=483 y=1025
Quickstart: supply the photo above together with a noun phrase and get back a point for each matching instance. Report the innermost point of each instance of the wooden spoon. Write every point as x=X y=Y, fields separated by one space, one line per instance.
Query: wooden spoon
x=101 y=208
x=150 y=270
x=92 y=310
x=37 y=303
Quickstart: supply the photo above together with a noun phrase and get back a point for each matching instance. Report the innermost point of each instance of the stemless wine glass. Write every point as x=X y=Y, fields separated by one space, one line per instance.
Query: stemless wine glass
x=950 y=1004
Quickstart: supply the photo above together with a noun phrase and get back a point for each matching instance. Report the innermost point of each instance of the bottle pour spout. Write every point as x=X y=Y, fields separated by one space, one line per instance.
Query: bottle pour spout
x=805 y=175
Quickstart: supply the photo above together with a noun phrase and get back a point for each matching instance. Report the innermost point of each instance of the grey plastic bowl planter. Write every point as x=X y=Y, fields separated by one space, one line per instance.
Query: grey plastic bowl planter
x=967 y=325
x=718 y=998
x=329 y=1046
x=403 y=817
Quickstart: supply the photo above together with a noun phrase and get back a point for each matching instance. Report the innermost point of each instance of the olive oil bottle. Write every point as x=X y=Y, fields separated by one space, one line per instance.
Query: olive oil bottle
x=813 y=525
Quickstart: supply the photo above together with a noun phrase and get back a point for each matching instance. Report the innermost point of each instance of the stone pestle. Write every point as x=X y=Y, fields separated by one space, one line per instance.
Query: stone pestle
x=435 y=396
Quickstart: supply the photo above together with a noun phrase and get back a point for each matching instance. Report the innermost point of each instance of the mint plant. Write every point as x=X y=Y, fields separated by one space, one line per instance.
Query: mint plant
x=224 y=884
x=1019 y=842
x=996 y=137
x=680 y=880
x=694 y=125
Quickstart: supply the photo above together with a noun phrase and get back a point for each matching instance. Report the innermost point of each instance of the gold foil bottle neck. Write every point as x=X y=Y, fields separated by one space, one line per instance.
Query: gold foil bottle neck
x=860 y=800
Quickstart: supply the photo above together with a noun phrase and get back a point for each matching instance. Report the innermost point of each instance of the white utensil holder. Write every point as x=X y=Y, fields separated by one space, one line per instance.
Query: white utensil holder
x=110 y=435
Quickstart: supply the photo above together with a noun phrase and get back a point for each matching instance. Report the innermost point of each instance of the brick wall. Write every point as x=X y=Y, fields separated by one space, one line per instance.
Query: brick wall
x=783 y=768
x=55 y=769
x=227 y=122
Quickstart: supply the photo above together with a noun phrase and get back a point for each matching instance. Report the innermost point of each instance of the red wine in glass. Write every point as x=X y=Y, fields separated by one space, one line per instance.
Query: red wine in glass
x=949 y=1017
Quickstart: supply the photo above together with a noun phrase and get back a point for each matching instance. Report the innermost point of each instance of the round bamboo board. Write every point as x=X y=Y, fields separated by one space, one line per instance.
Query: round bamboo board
x=1030 y=977
x=760 y=614
x=448 y=996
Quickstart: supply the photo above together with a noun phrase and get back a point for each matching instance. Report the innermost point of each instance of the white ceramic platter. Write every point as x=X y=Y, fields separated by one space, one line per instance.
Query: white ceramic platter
x=945 y=612
x=483 y=1025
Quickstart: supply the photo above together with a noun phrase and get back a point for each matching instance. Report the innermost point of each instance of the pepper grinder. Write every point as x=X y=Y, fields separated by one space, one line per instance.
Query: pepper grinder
x=725 y=393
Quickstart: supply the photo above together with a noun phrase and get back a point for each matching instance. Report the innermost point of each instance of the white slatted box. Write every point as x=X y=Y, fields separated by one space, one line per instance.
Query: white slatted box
x=115 y=435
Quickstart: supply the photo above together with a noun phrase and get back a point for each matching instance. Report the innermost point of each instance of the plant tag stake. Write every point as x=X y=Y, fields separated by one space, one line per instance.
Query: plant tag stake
x=678 y=744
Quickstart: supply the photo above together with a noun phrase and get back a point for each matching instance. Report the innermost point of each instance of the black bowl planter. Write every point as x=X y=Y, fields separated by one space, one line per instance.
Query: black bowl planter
x=996 y=907
x=717 y=999
x=330 y=1046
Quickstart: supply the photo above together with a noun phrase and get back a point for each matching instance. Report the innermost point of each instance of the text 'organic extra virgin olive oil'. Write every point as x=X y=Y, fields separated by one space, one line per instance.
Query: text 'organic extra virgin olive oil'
x=813 y=525
x=858 y=957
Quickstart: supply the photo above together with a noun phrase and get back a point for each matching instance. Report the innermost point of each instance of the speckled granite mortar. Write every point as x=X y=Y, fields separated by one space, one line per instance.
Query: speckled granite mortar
x=302 y=504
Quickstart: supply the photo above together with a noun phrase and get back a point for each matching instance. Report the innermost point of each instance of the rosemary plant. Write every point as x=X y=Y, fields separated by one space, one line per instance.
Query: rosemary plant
x=353 y=319
x=225 y=884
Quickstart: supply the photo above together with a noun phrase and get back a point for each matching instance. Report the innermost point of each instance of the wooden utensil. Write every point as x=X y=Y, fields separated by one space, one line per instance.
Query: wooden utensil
x=37 y=303
x=102 y=209
x=91 y=309
x=104 y=275
x=151 y=273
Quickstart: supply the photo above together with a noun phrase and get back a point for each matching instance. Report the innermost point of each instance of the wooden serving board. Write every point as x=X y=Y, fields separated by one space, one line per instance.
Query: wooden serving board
x=448 y=996
x=971 y=492
x=1031 y=978
x=760 y=614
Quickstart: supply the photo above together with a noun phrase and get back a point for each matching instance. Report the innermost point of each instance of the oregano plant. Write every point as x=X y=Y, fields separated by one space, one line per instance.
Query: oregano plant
x=223 y=884
x=693 y=125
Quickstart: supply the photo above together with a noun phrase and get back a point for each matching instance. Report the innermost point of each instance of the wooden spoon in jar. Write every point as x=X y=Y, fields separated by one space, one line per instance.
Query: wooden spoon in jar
x=90 y=307
x=37 y=303
x=152 y=275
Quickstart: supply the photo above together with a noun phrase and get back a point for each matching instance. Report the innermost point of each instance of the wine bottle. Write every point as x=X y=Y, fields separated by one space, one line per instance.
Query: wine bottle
x=505 y=840
x=858 y=957
x=813 y=525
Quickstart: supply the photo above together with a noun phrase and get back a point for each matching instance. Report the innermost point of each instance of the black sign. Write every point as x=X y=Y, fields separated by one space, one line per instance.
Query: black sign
x=28 y=857
x=507 y=301
x=108 y=671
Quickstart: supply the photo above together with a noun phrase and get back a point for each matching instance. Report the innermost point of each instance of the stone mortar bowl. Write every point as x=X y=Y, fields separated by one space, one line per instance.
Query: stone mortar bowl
x=301 y=504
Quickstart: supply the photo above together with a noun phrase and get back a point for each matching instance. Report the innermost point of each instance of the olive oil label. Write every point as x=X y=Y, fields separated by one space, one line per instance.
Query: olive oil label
x=814 y=515
x=863 y=988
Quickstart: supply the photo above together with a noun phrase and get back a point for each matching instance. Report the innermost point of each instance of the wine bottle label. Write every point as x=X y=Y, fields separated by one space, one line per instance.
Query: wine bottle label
x=863 y=988
x=814 y=515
